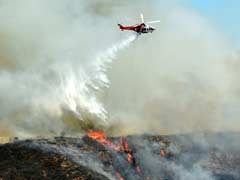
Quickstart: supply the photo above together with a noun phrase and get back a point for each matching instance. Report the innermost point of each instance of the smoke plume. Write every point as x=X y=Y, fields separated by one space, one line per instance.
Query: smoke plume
x=57 y=70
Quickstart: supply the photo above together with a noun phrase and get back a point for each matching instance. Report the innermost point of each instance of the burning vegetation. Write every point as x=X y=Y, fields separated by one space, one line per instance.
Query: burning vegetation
x=123 y=148
x=143 y=157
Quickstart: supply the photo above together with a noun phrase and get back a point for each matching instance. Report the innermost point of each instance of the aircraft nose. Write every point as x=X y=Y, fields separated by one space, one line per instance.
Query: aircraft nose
x=153 y=29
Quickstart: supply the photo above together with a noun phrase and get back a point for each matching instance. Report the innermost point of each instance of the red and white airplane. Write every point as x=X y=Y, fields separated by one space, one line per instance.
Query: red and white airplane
x=140 y=28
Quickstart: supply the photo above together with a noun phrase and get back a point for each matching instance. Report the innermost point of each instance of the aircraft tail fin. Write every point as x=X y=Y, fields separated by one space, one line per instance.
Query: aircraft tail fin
x=121 y=27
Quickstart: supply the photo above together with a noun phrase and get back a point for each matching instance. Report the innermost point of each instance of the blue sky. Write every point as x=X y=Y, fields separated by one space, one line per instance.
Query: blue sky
x=223 y=13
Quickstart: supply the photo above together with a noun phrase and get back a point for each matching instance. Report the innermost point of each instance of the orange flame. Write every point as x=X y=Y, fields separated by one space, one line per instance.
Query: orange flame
x=162 y=152
x=128 y=151
x=101 y=138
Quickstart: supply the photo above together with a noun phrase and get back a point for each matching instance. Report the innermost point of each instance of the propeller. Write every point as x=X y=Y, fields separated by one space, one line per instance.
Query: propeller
x=153 y=22
x=141 y=15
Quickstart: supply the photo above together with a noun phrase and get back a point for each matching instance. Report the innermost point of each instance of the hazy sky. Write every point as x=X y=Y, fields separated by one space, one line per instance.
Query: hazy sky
x=223 y=13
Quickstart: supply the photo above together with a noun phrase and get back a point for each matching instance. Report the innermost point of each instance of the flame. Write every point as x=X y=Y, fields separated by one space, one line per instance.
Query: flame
x=100 y=137
x=162 y=152
x=129 y=152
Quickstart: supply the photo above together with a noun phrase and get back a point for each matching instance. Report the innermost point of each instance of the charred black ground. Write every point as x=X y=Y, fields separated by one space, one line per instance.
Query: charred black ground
x=198 y=156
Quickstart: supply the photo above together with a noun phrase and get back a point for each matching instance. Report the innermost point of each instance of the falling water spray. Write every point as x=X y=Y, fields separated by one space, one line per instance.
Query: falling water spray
x=45 y=96
x=80 y=97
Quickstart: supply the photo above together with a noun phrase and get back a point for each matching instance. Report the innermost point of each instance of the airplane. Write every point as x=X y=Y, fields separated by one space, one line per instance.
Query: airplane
x=140 y=28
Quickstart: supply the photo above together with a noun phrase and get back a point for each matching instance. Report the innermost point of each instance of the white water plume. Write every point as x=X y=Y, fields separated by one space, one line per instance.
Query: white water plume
x=79 y=90
x=104 y=59
x=44 y=95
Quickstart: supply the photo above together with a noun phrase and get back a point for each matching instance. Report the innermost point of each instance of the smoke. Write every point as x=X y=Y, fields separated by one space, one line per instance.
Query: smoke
x=49 y=86
x=175 y=80
x=57 y=69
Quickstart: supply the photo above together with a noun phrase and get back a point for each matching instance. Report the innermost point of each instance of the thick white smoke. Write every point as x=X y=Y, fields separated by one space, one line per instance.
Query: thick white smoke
x=43 y=84
x=55 y=59
x=73 y=90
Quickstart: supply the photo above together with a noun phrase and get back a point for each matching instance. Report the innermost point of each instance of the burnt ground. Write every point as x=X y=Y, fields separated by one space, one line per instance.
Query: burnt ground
x=184 y=157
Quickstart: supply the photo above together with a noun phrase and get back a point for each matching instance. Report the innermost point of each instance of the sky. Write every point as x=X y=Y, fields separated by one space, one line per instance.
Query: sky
x=223 y=13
